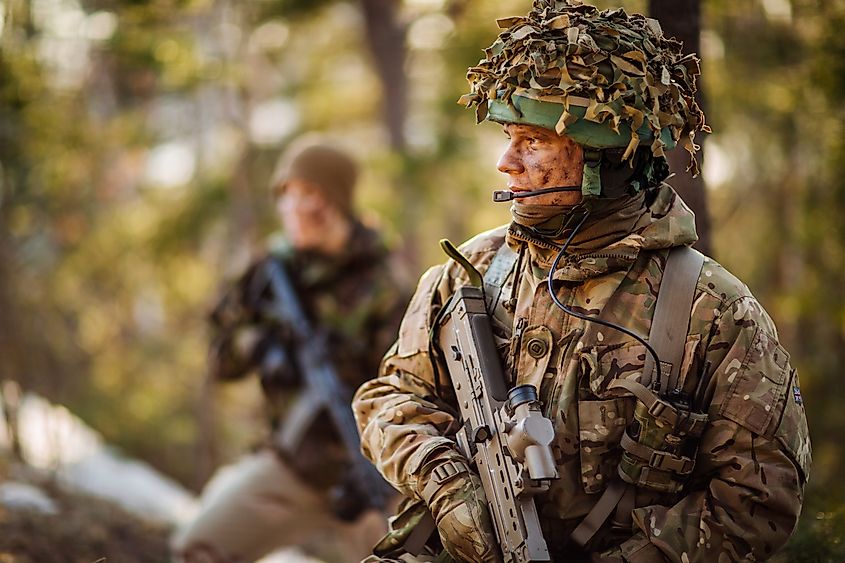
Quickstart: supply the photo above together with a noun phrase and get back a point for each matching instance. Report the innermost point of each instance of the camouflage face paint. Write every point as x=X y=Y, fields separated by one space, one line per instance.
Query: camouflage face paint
x=537 y=158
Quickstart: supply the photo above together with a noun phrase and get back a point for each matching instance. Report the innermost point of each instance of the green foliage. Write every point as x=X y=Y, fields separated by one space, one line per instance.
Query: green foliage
x=107 y=271
x=819 y=538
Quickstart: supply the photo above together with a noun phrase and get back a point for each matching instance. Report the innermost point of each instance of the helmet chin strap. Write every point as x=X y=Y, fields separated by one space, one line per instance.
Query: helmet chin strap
x=500 y=196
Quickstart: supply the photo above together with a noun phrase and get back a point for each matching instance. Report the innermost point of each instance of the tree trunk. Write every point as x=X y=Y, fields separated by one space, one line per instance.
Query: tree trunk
x=682 y=19
x=385 y=36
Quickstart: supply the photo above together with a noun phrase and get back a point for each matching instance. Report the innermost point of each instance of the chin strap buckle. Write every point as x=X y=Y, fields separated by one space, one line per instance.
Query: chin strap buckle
x=591 y=184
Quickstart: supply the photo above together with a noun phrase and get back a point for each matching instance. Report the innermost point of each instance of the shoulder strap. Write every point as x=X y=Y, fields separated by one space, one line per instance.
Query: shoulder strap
x=493 y=281
x=496 y=274
x=671 y=319
x=667 y=336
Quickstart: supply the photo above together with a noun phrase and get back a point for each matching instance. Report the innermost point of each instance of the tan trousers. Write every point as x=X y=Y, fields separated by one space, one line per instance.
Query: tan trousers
x=259 y=505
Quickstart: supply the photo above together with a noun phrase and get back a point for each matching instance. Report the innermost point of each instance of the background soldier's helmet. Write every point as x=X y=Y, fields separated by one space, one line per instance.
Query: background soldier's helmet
x=318 y=161
x=608 y=80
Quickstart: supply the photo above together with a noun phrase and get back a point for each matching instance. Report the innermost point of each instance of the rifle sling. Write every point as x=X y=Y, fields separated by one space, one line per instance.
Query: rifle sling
x=667 y=336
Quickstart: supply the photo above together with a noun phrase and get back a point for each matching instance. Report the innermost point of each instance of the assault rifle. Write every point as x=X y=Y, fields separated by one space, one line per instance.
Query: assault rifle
x=324 y=393
x=504 y=434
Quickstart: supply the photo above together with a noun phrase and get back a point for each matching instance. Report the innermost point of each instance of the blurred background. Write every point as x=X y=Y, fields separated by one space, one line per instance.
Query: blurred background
x=137 y=139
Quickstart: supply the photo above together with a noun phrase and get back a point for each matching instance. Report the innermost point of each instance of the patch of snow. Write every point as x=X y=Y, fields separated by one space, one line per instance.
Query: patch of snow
x=54 y=439
x=15 y=496
x=133 y=484
x=291 y=555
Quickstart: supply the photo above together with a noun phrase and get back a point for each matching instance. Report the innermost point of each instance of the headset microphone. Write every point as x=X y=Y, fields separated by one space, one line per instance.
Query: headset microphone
x=508 y=195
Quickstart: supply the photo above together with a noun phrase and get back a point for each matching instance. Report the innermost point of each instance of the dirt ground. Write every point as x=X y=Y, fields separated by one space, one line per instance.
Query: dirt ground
x=85 y=529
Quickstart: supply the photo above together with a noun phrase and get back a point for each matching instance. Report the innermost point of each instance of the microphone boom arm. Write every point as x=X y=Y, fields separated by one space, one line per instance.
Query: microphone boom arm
x=500 y=196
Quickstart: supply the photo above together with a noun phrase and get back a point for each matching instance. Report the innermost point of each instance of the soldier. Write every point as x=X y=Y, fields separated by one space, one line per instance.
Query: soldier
x=277 y=498
x=702 y=460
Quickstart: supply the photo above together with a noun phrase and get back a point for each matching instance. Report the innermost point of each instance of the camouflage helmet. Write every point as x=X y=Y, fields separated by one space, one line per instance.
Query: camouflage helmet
x=605 y=79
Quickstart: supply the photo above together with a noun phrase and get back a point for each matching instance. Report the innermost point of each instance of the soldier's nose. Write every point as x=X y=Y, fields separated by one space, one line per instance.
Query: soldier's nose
x=509 y=163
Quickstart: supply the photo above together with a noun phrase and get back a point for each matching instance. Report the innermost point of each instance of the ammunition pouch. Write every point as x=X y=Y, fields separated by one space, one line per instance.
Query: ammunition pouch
x=660 y=444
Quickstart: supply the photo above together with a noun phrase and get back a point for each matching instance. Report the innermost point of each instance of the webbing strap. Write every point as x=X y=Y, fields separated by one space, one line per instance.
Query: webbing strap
x=442 y=474
x=298 y=421
x=599 y=513
x=683 y=421
x=668 y=335
x=671 y=319
x=657 y=408
x=660 y=460
x=624 y=517
x=415 y=543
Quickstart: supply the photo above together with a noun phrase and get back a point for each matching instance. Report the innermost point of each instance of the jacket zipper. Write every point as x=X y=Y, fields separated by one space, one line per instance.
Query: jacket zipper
x=550 y=246
x=552 y=409
x=516 y=342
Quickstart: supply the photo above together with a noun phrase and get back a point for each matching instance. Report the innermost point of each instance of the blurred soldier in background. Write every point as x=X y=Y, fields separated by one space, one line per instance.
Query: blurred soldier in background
x=294 y=497
x=679 y=431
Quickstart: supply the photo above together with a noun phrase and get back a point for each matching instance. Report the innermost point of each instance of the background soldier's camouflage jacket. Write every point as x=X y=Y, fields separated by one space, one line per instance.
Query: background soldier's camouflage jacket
x=355 y=297
x=745 y=494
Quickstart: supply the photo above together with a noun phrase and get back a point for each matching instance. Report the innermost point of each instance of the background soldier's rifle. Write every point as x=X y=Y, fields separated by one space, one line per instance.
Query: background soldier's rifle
x=324 y=393
x=504 y=432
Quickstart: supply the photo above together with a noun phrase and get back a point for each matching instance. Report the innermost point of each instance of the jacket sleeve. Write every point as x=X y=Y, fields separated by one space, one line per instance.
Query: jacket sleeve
x=402 y=420
x=753 y=460
x=235 y=331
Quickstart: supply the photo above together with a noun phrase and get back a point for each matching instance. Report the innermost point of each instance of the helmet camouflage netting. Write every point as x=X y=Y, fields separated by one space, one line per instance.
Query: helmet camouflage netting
x=604 y=78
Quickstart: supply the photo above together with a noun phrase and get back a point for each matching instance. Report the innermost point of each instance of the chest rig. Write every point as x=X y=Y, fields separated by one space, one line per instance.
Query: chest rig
x=659 y=446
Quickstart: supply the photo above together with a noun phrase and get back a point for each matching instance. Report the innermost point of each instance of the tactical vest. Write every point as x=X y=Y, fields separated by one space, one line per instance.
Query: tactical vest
x=659 y=446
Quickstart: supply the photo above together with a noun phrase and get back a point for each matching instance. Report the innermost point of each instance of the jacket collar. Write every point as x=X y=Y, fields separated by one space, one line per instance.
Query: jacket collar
x=613 y=236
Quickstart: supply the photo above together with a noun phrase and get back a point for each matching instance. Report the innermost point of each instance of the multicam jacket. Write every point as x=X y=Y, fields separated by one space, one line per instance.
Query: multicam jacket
x=744 y=496
x=355 y=297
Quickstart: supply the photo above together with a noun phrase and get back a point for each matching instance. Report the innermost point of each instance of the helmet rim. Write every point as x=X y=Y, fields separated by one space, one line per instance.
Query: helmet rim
x=524 y=110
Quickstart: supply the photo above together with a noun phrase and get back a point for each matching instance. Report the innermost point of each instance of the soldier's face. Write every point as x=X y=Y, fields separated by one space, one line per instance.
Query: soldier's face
x=307 y=216
x=538 y=158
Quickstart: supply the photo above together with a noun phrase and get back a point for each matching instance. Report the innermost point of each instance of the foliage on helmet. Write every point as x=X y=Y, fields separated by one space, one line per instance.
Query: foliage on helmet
x=620 y=66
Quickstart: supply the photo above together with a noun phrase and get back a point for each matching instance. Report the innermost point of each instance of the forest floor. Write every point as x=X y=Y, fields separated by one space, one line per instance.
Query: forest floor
x=42 y=522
